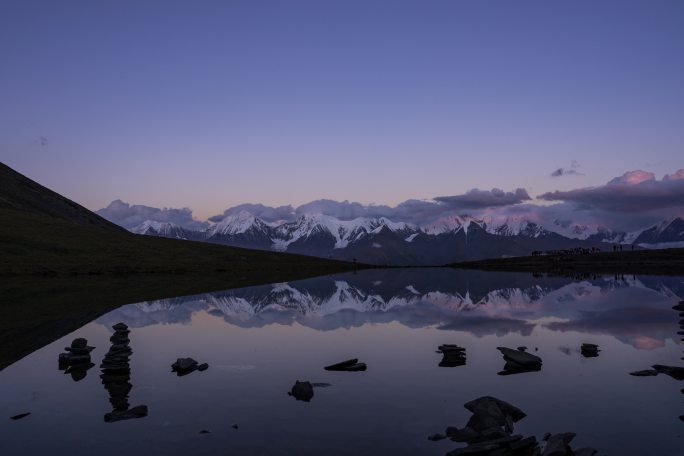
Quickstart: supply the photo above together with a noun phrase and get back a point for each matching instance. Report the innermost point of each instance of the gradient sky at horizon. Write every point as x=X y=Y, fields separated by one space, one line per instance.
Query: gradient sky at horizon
x=215 y=103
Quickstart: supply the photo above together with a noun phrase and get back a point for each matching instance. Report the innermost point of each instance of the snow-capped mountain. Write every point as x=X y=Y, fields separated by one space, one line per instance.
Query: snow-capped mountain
x=383 y=241
x=666 y=232
x=452 y=224
x=241 y=230
x=506 y=226
x=165 y=229
x=573 y=230
x=615 y=237
x=239 y=223
x=341 y=232
x=515 y=226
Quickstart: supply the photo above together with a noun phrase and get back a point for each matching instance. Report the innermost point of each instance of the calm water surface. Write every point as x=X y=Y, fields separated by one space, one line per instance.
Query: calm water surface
x=260 y=340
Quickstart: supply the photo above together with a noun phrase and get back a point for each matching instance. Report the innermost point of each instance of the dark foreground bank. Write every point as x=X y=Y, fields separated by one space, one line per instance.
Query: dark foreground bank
x=660 y=262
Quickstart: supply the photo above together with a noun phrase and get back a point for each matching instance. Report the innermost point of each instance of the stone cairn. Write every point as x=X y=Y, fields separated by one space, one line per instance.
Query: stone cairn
x=76 y=360
x=116 y=376
x=489 y=432
x=589 y=350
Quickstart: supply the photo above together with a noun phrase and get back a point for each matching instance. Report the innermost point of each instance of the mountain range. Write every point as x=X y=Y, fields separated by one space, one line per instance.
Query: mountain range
x=382 y=241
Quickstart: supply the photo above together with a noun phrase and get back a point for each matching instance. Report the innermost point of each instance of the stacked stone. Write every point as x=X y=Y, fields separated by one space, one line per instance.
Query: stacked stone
x=76 y=360
x=116 y=376
x=590 y=350
x=452 y=355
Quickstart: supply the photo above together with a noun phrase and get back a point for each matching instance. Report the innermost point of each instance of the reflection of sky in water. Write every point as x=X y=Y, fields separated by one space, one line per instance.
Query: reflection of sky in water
x=259 y=340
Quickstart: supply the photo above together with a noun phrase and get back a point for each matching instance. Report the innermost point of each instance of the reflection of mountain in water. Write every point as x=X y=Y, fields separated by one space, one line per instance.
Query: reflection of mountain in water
x=477 y=302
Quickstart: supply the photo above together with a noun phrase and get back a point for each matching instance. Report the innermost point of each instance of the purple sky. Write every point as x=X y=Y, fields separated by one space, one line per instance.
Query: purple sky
x=215 y=103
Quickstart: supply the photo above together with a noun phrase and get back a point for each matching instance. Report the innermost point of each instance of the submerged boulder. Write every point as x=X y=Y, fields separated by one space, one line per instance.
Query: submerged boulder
x=302 y=391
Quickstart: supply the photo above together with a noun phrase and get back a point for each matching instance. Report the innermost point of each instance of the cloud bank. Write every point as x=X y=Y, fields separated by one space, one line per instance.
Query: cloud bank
x=634 y=191
x=634 y=200
x=130 y=216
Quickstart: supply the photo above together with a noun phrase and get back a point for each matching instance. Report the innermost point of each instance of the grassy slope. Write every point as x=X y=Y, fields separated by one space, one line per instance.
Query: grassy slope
x=664 y=261
x=38 y=245
x=56 y=276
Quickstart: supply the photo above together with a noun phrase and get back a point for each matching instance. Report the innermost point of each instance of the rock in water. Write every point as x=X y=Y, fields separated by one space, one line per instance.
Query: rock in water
x=138 y=411
x=489 y=402
x=675 y=372
x=679 y=307
x=20 y=416
x=521 y=358
x=559 y=444
x=341 y=366
x=590 y=350
x=644 y=373
x=452 y=355
x=302 y=391
x=350 y=365
x=184 y=365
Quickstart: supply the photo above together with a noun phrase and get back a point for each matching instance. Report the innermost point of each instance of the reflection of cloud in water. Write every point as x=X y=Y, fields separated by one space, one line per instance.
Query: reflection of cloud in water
x=483 y=325
x=641 y=327
x=635 y=311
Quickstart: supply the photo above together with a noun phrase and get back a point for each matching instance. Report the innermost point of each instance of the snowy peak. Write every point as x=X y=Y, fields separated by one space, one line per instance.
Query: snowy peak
x=515 y=226
x=343 y=232
x=572 y=230
x=162 y=229
x=452 y=224
x=506 y=226
x=667 y=231
x=239 y=223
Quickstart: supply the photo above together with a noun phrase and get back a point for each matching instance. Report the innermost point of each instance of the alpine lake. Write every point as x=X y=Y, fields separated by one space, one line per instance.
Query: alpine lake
x=259 y=341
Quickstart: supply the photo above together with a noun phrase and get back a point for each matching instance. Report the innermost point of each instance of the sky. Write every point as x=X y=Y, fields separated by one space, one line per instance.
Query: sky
x=212 y=104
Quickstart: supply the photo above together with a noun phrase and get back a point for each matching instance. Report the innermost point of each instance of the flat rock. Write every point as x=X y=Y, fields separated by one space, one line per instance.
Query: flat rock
x=342 y=365
x=675 y=372
x=644 y=373
x=511 y=368
x=202 y=367
x=521 y=358
x=20 y=416
x=138 y=411
x=350 y=365
x=120 y=327
x=450 y=348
